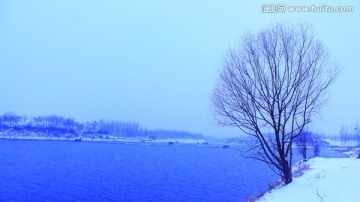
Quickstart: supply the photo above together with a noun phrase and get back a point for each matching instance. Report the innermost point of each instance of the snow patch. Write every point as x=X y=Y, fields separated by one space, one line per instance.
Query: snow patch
x=327 y=179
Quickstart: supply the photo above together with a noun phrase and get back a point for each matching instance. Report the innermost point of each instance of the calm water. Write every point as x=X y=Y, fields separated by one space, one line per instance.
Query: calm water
x=80 y=171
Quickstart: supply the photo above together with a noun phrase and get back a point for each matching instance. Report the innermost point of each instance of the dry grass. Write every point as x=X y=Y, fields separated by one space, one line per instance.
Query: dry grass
x=300 y=169
x=274 y=185
x=256 y=197
x=271 y=186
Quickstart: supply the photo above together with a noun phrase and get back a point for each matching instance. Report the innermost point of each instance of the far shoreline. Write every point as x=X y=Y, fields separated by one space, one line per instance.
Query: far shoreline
x=105 y=140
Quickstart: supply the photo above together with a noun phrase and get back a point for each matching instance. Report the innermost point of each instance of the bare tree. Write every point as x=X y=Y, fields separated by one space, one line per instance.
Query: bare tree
x=343 y=134
x=316 y=144
x=302 y=143
x=270 y=86
x=357 y=133
x=346 y=136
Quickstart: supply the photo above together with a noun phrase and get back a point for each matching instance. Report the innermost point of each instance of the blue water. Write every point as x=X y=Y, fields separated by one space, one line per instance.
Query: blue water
x=84 y=171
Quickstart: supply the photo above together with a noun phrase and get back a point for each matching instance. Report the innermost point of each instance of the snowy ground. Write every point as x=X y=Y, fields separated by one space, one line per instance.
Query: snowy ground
x=327 y=179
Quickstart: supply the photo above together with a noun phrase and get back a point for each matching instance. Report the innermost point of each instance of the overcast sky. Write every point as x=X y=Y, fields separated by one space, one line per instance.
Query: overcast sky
x=155 y=62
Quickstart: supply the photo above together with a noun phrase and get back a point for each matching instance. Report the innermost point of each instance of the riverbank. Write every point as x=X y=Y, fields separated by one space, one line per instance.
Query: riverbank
x=324 y=179
x=108 y=139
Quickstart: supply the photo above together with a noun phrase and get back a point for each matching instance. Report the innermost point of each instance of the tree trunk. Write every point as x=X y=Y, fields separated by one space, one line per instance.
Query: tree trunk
x=287 y=174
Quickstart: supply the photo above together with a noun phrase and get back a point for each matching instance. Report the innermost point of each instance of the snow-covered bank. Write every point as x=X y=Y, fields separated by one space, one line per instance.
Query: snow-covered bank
x=350 y=148
x=327 y=179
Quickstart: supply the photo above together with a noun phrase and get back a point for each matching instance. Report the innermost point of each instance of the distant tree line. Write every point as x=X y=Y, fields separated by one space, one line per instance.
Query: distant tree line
x=307 y=140
x=350 y=136
x=12 y=124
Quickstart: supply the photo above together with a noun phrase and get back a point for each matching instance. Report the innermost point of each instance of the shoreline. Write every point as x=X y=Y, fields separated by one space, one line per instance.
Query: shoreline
x=108 y=140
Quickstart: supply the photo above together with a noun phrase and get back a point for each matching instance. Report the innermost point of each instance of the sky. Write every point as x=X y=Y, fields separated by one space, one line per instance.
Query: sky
x=153 y=62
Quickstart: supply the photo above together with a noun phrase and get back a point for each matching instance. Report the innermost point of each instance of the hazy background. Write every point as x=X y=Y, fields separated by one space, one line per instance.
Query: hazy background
x=155 y=62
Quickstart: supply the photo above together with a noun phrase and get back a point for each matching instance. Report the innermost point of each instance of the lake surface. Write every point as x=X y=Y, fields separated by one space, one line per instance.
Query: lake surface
x=83 y=171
